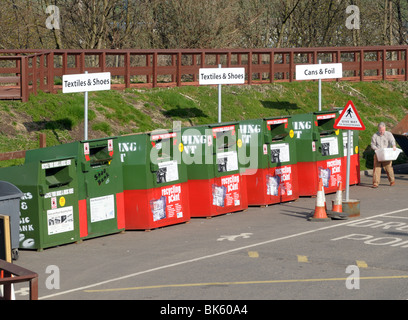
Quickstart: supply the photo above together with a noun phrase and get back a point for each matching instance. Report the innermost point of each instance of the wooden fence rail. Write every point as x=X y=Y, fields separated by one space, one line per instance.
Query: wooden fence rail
x=21 y=154
x=23 y=72
x=11 y=273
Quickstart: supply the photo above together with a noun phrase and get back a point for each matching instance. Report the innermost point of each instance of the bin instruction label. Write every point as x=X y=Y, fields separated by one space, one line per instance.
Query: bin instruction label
x=227 y=161
x=330 y=146
x=102 y=208
x=60 y=220
x=168 y=172
x=280 y=153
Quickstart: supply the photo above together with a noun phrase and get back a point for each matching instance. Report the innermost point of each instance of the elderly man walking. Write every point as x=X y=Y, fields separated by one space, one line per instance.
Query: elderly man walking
x=382 y=139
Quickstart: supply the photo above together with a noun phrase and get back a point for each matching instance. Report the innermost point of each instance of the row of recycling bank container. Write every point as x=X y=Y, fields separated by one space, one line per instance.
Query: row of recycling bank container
x=145 y=181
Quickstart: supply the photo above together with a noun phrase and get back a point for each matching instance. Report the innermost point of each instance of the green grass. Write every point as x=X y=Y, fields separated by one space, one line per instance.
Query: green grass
x=113 y=113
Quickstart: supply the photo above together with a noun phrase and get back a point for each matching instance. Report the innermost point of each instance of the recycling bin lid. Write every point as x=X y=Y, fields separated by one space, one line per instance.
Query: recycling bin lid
x=222 y=124
x=9 y=191
x=98 y=140
x=278 y=117
x=326 y=111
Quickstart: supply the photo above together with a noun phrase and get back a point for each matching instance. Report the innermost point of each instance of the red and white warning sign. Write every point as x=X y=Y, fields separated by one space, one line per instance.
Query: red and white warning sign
x=349 y=119
x=86 y=148
x=53 y=203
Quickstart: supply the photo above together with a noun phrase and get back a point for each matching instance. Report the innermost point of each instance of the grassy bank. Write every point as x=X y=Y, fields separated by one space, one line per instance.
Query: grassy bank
x=114 y=113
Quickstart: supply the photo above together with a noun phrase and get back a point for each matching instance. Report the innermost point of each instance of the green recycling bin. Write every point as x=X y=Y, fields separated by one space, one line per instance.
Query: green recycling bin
x=319 y=152
x=154 y=180
x=100 y=182
x=49 y=214
x=216 y=184
x=269 y=158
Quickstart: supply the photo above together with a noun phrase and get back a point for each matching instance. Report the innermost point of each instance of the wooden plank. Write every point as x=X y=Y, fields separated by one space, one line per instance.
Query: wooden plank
x=12 y=155
x=9 y=79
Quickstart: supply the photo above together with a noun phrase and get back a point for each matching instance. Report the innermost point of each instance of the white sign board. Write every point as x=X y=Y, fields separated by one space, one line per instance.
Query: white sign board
x=319 y=71
x=210 y=76
x=86 y=82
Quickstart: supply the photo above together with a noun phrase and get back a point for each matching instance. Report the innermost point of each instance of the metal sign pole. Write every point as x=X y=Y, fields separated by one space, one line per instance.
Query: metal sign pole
x=349 y=150
x=219 y=99
x=86 y=114
x=320 y=91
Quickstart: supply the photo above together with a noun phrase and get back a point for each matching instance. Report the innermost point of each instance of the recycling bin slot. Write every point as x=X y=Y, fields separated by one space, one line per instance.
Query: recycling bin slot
x=279 y=137
x=99 y=156
x=57 y=177
x=325 y=126
x=278 y=132
x=277 y=129
x=224 y=140
x=327 y=133
x=164 y=148
x=324 y=123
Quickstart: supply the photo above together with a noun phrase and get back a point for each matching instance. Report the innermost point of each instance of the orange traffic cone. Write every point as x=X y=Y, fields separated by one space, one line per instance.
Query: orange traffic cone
x=320 y=209
x=337 y=203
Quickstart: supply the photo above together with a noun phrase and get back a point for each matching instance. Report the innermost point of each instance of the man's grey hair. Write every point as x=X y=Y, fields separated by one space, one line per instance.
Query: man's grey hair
x=381 y=124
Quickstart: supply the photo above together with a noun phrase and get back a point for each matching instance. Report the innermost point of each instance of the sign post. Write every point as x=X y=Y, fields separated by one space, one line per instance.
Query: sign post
x=318 y=72
x=84 y=83
x=349 y=119
x=219 y=99
x=86 y=113
x=219 y=76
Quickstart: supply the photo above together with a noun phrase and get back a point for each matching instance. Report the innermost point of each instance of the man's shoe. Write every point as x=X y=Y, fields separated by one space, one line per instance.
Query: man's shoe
x=374 y=186
x=392 y=183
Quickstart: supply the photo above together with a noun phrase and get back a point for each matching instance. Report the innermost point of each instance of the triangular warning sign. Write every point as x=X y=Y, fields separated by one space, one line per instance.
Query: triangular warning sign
x=349 y=119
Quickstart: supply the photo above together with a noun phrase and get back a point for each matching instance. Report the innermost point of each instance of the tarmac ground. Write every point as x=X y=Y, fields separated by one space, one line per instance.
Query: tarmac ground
x=263 y=253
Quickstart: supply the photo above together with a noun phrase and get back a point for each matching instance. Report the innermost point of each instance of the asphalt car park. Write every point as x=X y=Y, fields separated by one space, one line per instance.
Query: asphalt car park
x=262 y=253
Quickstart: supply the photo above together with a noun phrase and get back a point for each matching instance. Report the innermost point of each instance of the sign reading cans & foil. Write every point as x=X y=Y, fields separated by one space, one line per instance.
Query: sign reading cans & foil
x=319 y=71
x=86 y=82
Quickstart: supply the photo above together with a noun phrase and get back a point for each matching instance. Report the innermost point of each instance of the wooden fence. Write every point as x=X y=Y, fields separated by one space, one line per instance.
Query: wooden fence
x=24 y=72
x=11 y=273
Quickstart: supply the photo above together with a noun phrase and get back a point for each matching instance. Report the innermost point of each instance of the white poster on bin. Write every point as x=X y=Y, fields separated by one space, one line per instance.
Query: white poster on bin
x=102 y=208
